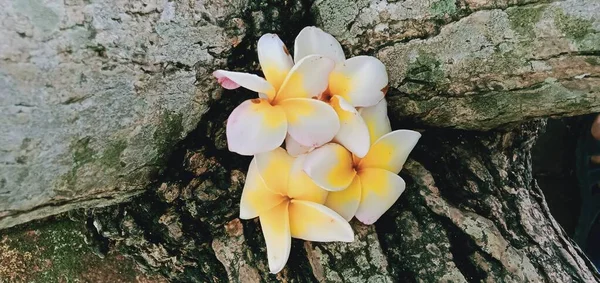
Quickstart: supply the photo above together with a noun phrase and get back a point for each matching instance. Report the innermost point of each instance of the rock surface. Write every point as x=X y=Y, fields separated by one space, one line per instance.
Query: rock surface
x=94 y=94
x=477 y=64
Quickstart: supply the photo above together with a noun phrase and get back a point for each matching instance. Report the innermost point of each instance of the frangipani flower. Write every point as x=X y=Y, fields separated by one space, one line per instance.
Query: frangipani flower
x=364 y=187
x=360 y=81
x=289 y=204
x=285 y=104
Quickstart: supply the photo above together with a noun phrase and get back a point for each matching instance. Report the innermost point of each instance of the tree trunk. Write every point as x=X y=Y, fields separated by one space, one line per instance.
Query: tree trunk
x=472 y=75
x=471 y=212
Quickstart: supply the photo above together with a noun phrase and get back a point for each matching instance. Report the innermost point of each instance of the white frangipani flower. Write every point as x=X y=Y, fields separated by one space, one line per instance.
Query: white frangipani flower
x=285 y=104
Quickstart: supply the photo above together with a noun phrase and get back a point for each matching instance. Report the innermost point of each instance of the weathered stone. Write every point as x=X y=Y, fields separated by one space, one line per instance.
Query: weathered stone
x=95 y=95
x=477 y=64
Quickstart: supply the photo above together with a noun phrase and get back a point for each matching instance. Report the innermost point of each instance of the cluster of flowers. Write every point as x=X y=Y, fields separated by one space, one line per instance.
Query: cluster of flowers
x=341 y=158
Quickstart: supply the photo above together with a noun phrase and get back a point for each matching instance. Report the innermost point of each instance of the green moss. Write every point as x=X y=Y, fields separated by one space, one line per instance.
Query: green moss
x=58 y=253
x=81 y=151
x=523 y=19
x=81 y=154
x=593 y=61
x=168 y=133
x=426 y=69
x=111 y=156
x=573 y=27
x=443 y=7
x=57 y=250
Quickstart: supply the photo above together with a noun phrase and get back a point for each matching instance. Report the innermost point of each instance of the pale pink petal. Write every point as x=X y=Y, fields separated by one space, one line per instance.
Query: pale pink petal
x=233 y=80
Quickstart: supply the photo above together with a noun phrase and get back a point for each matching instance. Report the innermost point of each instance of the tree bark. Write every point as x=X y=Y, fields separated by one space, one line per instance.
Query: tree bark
x=472 y=212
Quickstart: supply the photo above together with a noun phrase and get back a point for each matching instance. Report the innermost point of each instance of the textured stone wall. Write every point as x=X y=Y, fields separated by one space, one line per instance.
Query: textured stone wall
x=94 y=94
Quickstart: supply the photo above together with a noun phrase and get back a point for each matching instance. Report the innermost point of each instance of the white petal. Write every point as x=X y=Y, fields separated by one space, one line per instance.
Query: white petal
x=274 y=58
x=255 y=126
x=275 y=224
x=353 y=133
x=361 y=80
x=330 y=167
x=274 y=167
x=315 y=222
x=391 y=151
x=294 y=148
x=233 y=80
x=311 y=122
x=345 y=202
x=380 y=190
x=256 y=197
x=313 y=40
x=377 y=120
x=302 y=187
x=307 y=79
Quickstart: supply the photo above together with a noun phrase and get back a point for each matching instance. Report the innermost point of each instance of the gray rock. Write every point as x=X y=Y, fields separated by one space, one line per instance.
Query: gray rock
x=94 y=94
x=476 y=64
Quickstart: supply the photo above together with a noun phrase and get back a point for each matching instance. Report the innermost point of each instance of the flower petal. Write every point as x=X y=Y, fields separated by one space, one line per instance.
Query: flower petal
x=345 y=202
x=315 y=222
x=376 y=119
x=330 y=167
x=294 y=148
x=255 y=126
x=380 y=189
x=275 y=224
x=233 y=80
x=307 y=79
x=302 y=187
x=391 y=151
x=353 y=133
x=274 y=167
x=311 y=122
x=256 y=197
x=275 y=59
x=361 y=80
x=313 y=40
